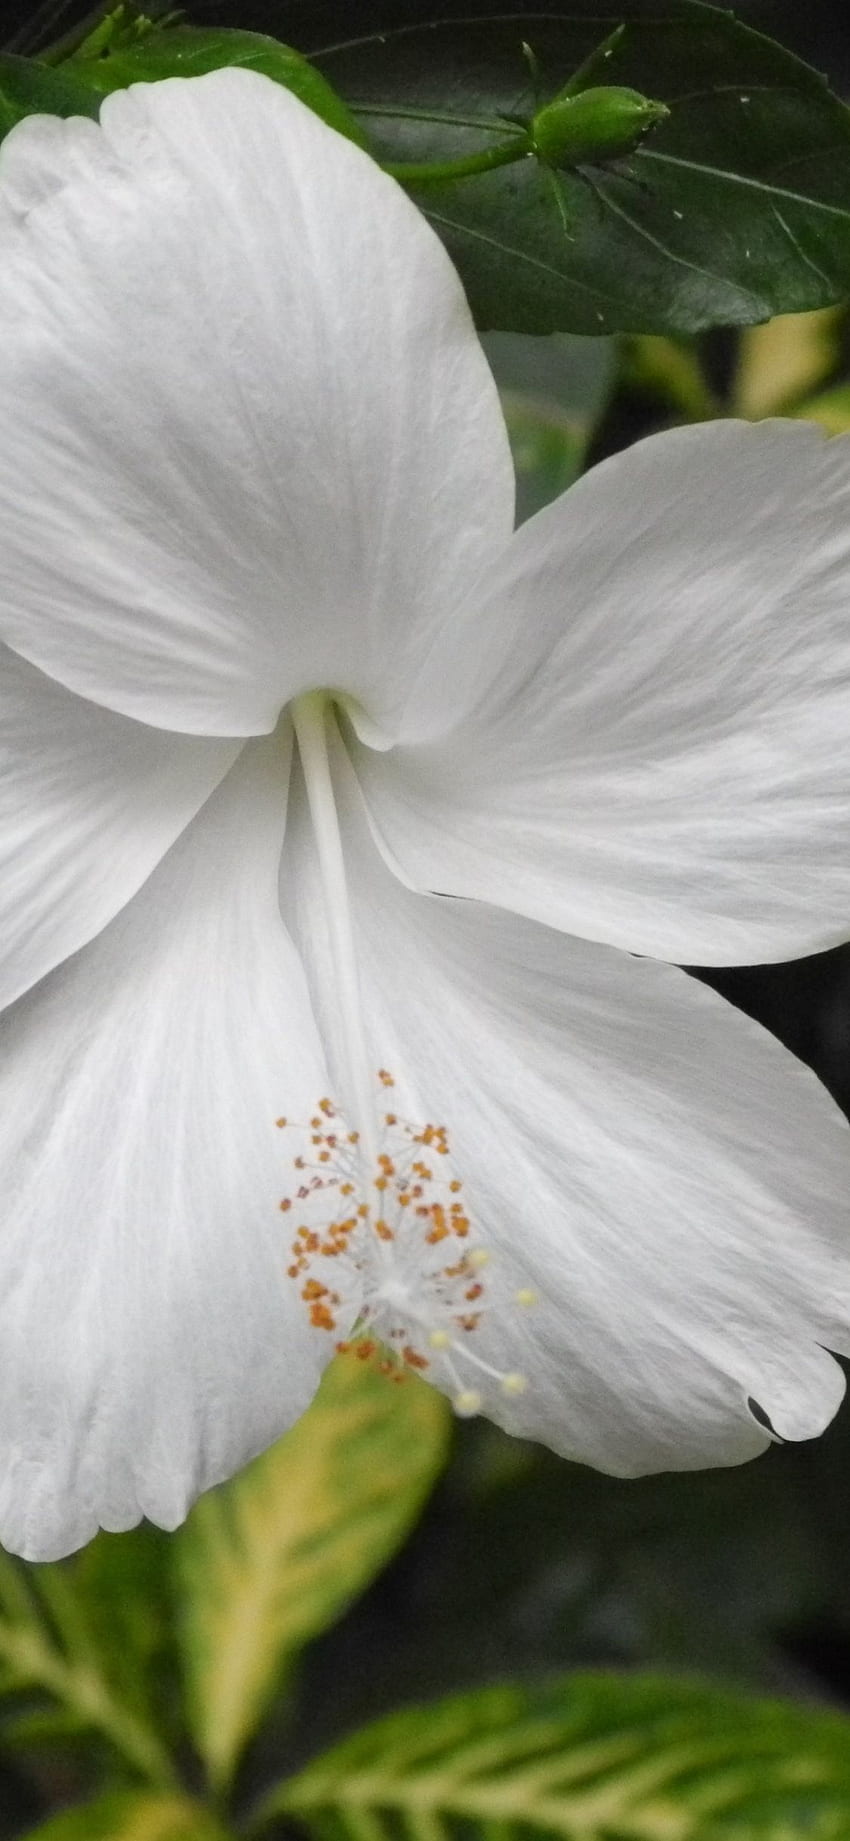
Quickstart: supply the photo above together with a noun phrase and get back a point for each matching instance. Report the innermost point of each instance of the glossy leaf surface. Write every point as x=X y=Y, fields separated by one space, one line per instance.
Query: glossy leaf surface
x=734 y=208
x=27 y=88
x=190 y=51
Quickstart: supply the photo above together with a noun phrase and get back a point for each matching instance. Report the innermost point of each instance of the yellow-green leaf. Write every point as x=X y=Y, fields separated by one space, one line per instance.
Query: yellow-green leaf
x=831 y=409
x=273 y=1557
x=133 y=1818
x=554 y=393
x=588 y=1758
x=671 y=370
x=785 y=359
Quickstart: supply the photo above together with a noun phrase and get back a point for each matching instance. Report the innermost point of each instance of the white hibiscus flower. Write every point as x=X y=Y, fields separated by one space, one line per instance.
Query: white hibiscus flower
x=275 y=668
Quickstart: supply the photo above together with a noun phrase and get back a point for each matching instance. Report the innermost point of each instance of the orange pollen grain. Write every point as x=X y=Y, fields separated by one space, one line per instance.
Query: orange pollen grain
x=413 y=1359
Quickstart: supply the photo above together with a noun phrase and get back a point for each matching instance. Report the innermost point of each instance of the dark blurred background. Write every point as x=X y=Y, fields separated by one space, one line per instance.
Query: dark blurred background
x=818 y=30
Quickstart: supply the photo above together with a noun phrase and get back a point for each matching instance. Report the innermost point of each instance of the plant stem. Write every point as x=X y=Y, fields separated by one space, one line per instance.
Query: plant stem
x=440 y=172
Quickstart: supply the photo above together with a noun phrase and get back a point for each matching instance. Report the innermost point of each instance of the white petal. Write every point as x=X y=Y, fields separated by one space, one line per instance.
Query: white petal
x=658 y=1169
x=89 y=803
x=251 y=443
x=151 y=1341
x=651 y=706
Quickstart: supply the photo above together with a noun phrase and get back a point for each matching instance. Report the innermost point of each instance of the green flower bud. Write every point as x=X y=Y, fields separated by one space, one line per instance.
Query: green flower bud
x=593 y=126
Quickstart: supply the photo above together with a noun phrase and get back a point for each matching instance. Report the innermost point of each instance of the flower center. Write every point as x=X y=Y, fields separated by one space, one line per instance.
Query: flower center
x=383 y=1252
x=407 y=1272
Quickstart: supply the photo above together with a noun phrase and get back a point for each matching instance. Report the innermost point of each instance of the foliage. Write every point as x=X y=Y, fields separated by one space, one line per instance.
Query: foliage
x=554 y=393
x=134 y=1818
x=721 y=197
x=592 y=1758
x=733 y=209
x=274 y=1559
x=87 y=1649
x=64 y=1669
x=780 y=362
x=190 y=51
x=27 y=88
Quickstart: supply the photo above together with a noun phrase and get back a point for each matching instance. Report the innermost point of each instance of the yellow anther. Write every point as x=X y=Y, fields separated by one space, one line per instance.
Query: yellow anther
x=312 y=1289
x=411 y=1206
x=467 y=1403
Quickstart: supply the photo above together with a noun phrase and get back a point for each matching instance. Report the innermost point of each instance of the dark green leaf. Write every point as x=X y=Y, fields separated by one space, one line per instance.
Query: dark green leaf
x=734 y=208
x=123 y=1583
x=590 y=1758
x=554 y=392
x=189 y=51
x=28 y=88
x=52 y=1647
